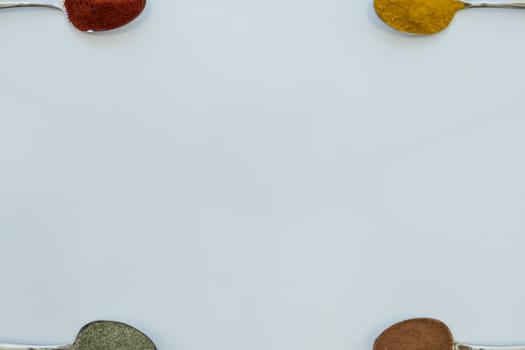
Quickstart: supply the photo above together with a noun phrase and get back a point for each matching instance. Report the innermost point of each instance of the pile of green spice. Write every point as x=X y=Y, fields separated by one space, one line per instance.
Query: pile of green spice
x=109 y=335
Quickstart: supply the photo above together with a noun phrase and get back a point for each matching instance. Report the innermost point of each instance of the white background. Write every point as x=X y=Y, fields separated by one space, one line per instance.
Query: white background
x=261 y=175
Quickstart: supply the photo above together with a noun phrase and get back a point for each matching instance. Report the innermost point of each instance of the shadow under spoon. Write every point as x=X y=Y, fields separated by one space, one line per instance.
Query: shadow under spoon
x=98 y=335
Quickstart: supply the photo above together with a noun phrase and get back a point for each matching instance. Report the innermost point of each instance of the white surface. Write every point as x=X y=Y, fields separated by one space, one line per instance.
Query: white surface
x=266 y=175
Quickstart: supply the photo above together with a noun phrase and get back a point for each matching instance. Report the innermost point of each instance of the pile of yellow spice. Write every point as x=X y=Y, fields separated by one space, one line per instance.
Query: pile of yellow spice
x=418 y=16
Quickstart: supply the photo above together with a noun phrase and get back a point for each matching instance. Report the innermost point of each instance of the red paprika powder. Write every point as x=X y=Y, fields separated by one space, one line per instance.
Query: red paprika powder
x=100 y=15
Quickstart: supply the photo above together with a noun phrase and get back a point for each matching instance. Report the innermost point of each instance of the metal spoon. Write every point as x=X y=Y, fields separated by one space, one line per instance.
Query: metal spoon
x=88 y=15
x=415 y=13
x=98 y=335
x=426 y=334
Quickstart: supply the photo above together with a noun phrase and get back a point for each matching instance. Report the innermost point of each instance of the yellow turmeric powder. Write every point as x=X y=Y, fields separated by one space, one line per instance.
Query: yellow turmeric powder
x=418 y=16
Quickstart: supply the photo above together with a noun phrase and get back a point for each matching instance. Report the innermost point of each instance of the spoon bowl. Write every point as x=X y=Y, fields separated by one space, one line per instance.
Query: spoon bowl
x=426 y=334
x=89 y=15
x=98 y=335
x=429 y=16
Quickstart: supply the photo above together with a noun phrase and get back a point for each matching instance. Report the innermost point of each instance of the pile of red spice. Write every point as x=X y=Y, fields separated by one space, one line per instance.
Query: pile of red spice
x=100 y=15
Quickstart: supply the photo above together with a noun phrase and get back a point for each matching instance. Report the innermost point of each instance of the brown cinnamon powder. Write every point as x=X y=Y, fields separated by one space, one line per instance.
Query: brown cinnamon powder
x=416 y=334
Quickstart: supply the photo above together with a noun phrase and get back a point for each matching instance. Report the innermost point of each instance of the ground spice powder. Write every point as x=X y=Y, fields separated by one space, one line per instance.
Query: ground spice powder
x=109 y=335
x=416 y=334
x=418 y=16
x=100 y=15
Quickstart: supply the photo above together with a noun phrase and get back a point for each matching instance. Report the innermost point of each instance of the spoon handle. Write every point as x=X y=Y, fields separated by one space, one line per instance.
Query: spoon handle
x=34 y=347
x=501 y=5
x=33 y=3
x=459 y=346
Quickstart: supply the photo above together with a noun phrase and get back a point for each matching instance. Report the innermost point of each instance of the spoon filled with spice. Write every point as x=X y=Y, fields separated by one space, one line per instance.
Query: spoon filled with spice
x=89 y=15
x=426 y=334
x=428 y=16
x=98 y=335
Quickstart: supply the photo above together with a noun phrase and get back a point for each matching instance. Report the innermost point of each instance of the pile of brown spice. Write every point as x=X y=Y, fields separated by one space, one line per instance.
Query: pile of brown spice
x=100 y=15
x=416 y=334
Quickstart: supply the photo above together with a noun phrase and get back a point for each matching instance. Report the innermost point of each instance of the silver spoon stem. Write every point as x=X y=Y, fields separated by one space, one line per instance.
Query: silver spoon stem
x=34 y=347
x=501 y=5
x=57 y=4
x=459 y=346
